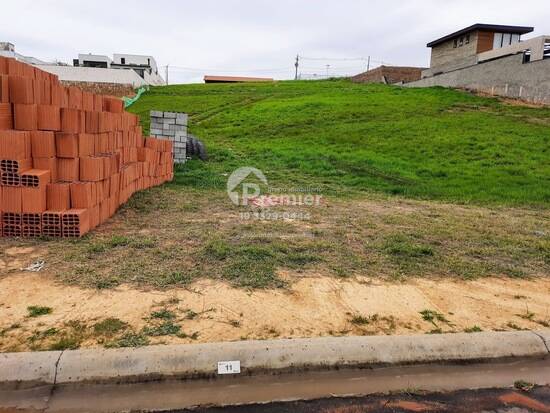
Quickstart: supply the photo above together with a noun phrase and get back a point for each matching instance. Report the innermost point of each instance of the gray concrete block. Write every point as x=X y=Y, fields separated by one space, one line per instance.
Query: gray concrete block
x=156 y=125
x=166 y=122
x=156 y=131
x=156 y=114
x=170 y=115
x=182 y=119
x=178 y=128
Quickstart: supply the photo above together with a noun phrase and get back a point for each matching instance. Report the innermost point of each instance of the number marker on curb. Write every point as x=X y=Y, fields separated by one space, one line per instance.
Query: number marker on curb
x=229 y=367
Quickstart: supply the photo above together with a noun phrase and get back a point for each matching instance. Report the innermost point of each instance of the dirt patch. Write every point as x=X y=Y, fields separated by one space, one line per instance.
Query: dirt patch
x=213 y=311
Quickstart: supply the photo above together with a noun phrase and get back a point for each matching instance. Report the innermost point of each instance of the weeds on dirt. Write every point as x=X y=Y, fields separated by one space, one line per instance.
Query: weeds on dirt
x=129 y=339
x=110 y=327
x=433 y=317
x=474 y=329
x=37 y=311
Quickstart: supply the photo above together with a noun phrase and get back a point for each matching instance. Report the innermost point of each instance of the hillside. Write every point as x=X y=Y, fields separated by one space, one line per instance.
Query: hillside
x=346 y=139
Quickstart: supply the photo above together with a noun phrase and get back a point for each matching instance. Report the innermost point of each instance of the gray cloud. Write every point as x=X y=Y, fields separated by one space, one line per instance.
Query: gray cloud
x=252 y=37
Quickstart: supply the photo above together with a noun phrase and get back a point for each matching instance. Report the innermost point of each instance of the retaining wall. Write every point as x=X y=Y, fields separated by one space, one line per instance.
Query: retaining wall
x=507 y=76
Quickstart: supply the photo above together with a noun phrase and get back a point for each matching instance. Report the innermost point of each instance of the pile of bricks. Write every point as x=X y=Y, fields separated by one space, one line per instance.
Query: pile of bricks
x=173 y=126
x=68 y=158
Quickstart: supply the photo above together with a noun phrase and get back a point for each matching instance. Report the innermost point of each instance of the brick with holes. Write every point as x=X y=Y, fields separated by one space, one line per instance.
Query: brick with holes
x=34 y=219
x=75 y=223
x=15 y=166
x=10 y=179
x=35 y=178
x=11 y=230
x=31 y=231
x=49 y=164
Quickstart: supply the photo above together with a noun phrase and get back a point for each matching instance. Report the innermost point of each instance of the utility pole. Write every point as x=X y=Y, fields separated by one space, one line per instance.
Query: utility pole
x=296 y=65
x=167 y=74
x=368 y=64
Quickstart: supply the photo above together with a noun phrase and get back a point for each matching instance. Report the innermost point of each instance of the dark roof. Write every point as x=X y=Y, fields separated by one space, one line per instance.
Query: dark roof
x=497 y=28
x=229 y=79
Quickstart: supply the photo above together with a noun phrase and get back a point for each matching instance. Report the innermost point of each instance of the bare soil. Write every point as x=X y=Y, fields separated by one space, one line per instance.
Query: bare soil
x=313 y=306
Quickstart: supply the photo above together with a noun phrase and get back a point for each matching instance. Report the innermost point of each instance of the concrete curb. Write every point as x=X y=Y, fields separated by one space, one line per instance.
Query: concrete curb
x=200 y=360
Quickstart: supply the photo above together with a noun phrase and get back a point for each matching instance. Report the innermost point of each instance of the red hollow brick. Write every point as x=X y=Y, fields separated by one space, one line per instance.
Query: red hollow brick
x=6 y=116
x=66 y=145
x=35 y=178
x=11 y=199
x=91 y=169
x=86 y=145
x=72 y=120
x=75 y=223
x=58 y=196
x=10 y=179
x=33 y=200
x=33 y=219
x=21 y=90
x=15 y=145
x=43 y=144
x=49 y=117
x=4 y=89
x=25 y=117
x=68 y=169
x=49 y=164
x=31 y=231
x=82 y=195
x=15 y=166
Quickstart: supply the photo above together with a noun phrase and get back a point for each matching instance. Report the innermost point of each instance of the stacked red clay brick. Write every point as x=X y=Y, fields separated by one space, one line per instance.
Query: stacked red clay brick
x=68 y=158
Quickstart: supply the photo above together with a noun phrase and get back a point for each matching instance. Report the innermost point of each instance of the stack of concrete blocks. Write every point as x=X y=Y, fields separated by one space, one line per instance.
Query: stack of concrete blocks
x=173 y=126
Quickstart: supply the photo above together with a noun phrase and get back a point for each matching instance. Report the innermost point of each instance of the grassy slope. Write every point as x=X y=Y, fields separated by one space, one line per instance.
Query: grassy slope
x=347 y=138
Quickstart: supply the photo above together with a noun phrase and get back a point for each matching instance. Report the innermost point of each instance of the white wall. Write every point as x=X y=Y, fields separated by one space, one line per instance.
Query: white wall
x=95 y=75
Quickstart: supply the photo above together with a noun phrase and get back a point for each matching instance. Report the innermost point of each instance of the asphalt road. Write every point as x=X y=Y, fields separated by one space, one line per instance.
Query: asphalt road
x=465 y=401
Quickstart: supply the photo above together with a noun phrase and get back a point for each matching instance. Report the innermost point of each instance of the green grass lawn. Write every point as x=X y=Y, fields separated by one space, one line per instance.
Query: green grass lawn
x=347 y=139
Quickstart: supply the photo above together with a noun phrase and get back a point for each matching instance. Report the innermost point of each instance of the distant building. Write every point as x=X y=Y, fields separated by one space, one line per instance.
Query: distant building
x=7 y=49
x=235 y=79
x=389 y=75
x=492 y=59
x=145 y=66
x=461 y=48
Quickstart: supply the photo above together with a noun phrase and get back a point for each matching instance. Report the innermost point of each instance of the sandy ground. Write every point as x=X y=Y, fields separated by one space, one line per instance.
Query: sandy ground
x=312 y=306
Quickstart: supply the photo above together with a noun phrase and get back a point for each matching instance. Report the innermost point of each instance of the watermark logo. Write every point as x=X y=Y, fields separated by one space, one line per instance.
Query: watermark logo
x=249 y=187
x=242 y=192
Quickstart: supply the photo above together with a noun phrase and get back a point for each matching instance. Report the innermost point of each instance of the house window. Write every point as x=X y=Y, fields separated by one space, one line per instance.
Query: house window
x=148 y=62
x=461 y=42
x=455 y=43
x=122 y=60
x=467 y=41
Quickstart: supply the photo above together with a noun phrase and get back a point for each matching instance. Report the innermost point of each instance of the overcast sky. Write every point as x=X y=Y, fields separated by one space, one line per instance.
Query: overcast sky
x=253 y=37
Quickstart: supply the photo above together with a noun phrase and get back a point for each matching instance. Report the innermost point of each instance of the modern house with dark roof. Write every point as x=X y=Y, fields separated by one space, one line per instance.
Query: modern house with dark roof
x=461 y=48
x=492 y=59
